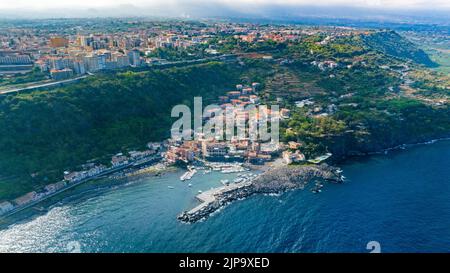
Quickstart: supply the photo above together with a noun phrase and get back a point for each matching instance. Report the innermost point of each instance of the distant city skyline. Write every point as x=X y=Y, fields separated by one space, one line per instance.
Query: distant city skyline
x=236 y=8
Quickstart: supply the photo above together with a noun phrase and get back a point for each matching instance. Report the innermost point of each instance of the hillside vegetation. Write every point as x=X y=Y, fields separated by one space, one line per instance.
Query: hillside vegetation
x=391 y=43
x=367 y=101
x=45 y=132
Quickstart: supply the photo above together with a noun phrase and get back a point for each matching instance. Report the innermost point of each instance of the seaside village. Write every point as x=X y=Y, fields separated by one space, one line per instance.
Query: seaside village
x=209 y=154
x=214 y=152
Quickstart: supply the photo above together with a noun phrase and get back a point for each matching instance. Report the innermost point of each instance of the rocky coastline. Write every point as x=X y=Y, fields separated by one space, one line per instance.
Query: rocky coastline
x=273 y=181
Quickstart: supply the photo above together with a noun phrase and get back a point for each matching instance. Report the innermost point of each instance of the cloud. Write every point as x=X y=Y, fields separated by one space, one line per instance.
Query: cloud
x=269 y=9
x=385 y=4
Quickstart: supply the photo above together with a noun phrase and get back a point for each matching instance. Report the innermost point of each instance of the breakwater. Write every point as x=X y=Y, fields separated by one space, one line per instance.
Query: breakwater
x=276 y=180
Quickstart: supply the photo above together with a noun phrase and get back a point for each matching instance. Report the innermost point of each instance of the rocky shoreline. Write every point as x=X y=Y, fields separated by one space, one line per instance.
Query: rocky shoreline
x=276 y=180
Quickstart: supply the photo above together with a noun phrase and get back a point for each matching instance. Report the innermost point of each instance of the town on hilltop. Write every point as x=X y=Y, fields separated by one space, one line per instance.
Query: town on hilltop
x=79 y=50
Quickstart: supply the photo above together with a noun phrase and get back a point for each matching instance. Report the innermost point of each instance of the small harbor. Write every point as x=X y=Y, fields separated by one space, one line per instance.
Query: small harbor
x=147 y=210
x=273 y=181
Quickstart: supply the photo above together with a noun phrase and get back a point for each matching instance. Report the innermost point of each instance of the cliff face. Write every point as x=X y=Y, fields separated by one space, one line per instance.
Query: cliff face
x=347 y=146
x=391 y=43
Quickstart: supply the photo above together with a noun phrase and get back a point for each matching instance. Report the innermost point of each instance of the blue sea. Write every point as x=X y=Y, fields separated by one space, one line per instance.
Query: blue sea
x=400 y=200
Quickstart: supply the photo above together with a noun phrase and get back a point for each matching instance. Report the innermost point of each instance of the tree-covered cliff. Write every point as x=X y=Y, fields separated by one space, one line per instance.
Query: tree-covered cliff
x=45 y=132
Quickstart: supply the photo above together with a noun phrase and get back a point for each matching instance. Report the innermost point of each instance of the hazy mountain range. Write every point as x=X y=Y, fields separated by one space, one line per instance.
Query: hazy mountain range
x=247 y=9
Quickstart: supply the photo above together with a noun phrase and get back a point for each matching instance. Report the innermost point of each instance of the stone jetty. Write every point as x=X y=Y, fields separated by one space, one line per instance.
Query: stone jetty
x=275 y=180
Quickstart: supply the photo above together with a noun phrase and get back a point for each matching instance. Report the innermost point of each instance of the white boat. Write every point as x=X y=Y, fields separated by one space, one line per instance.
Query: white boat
x=189 y=185
x=184 y=176
x=199 y=191
x=170 y=187
x=233 y=169
x=188 y=175
x=225 y=182
x=238 y=180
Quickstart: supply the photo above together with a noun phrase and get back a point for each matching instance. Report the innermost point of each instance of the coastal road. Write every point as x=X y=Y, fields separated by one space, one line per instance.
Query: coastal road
x=49 y=84
x=74 y=184
x=162 y=65
x=223 y=57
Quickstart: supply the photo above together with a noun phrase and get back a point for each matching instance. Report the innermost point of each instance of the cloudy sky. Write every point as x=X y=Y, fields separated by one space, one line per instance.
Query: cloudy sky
x=385 y=4
x=273 y=9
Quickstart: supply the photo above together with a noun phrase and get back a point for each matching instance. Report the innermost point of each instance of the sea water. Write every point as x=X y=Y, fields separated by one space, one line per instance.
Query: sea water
x=399 y=200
